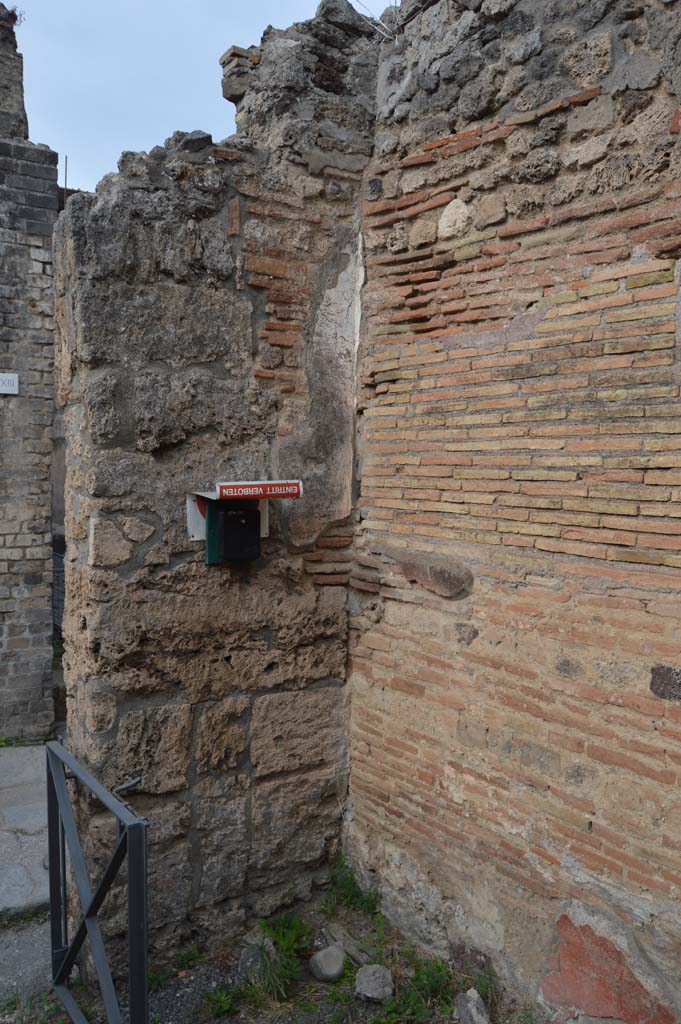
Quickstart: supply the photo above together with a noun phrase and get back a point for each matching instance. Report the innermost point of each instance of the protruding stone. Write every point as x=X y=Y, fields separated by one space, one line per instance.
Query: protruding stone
x=447 y=577
x=195 y=141
x=328 y=964
x=374 y=983
x=344 y=16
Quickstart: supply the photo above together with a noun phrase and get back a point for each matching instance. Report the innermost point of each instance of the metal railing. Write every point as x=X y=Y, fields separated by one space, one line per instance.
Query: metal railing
x=131 y=841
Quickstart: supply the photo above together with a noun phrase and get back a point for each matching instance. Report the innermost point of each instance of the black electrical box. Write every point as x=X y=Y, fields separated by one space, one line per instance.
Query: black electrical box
x=232 y=531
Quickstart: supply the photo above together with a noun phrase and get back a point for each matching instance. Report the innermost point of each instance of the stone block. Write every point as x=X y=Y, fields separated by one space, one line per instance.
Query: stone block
x=155 y=743
x=291 y=731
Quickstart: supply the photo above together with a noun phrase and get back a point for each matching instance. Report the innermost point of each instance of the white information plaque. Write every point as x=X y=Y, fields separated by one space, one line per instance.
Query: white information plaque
x=9 y=383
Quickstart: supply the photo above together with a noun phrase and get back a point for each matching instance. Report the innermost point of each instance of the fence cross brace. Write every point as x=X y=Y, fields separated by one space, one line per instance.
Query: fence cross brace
x=131 y=842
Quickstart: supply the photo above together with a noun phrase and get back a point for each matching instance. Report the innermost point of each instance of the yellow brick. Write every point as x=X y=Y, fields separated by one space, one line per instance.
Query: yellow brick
x=644 y=557
x=568 y=325
x=641 y=312
x=642 y=280
x=555 y=300
x=598 y=289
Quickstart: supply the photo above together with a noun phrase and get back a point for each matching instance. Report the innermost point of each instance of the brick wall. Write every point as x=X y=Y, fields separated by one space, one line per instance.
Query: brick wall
x=28 y=205
x=516 y=738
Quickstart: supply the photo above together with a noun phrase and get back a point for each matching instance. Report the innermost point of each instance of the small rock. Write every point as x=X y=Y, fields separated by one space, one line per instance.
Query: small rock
x=374 y=983
x=327 y=964
x=470 y=1008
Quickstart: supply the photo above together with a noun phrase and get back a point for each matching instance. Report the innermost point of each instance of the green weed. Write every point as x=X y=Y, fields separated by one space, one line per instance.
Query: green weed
x=346 y=890
x=488 y=988
x=224 y=1001
x=380 y=928
x=188 y=957
x=427 y=990
x=277 y=973
x=433 y=981
x=289 y=933
x=157 y=979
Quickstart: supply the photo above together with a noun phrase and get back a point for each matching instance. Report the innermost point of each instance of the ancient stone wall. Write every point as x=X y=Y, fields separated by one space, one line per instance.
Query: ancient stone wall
x=516 y=726
x=208 y=314
x=28 y=205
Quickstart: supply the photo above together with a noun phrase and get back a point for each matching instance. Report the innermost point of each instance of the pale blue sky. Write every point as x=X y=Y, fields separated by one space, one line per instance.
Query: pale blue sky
x=103 y=76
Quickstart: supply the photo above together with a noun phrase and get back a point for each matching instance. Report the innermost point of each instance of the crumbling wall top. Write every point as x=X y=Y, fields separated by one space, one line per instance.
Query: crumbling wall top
x=13 y=121
x=308 y=91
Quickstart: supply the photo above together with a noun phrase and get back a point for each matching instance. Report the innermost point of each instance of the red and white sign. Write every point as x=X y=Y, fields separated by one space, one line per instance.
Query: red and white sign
x=260 y=489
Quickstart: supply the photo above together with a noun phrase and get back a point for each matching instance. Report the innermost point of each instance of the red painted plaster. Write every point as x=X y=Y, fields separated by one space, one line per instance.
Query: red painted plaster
x=589 y=973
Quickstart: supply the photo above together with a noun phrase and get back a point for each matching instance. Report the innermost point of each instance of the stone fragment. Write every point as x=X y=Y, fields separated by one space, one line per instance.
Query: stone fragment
x=107 y=544
x=257 y=949
x=374 y=983
x=490 y=209
x=422 y=233
x=479 y=96
x=540 y=165
x=595 y=116
x=589 y=153
x=335 y=933
x=136 y=530
x=524 y=47
x=470 y=1008
x=589 y=60
x=462 y=65
x=343 y=15
x=665 y=682
x=454 y=219
x=328 y=963
x=444 y=576
x=638 y=70
x=195 y=141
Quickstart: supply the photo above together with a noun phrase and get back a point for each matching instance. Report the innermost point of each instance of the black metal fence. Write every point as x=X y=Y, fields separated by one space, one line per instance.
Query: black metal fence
x=131 y=841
